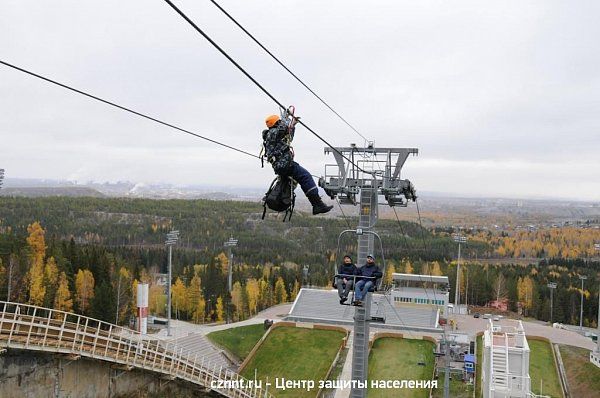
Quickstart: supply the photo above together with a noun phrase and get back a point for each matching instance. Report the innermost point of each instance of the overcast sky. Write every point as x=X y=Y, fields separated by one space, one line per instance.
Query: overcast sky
x=501 y=98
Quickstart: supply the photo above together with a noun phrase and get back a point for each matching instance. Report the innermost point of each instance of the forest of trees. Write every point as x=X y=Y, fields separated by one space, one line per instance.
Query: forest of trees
x=86 y=255
x=523 y=287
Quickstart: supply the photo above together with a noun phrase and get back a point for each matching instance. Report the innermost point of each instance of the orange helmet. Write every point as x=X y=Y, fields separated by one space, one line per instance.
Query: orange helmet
x=271 y=120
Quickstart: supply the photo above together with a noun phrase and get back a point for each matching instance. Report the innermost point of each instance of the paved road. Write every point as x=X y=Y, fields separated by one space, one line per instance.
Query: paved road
x=471 y=326
x=182 y=328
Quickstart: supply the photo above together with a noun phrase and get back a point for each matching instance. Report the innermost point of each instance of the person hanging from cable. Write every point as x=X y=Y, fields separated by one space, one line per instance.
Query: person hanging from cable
x=345 y=278
x=369 y=272
x=278 y=151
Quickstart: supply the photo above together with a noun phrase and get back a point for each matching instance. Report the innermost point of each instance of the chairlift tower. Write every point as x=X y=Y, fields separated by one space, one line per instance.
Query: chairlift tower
x=366 y=174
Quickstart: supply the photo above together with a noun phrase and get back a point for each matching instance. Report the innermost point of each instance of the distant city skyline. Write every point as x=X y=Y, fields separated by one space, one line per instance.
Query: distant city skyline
x=16 y=182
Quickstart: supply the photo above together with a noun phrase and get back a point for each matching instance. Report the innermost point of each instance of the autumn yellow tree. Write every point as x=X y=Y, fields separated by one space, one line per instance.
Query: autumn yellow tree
x=295 y=290
x=389 y=271
x=525 y=292
x=62 y=299
x=280 y=292
x=157 y=300
x=435 y=269
x=50 y=281
x=179 y=297
x=219 y=309
x=123 y=280
x=133 y=306
x=224 y=261
x=265 y=294
x=253 y=295
x=84 y=289
x=36 y=240
x=3 y=278
x=236 y=300
x=195 y=300
x=408 y=268
x=37 y=244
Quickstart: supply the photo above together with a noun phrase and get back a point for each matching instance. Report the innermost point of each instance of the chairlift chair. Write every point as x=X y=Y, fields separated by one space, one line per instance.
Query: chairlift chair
x=373 y=288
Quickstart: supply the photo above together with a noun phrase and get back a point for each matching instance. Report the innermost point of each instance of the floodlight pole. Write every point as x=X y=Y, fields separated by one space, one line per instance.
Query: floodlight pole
x=229 y=244
x=552 y=286
x=597 y=248
x=583 y=278
x=169 y=279
x=172 y=238
x=459 y=239
x=598 y=333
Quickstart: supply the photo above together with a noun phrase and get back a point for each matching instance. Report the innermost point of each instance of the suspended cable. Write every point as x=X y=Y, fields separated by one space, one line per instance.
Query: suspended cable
x=421 y=225
x=402 y=230
x=126 y=109
x=343 y=214
x=250 y=35
x=253 y=80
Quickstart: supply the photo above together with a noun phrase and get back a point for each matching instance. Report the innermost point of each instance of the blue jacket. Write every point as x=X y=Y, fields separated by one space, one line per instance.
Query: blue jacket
x=370 y=271
x=348 y=269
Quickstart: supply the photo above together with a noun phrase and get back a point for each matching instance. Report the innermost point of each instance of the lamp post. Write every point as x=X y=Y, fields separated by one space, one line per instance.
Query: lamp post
x=458 y=239
x=552 y=286
x=229 y=244
x=305 y=274
x=172 y=238
x=597 y=248
x=598 y=332
x=583 y=278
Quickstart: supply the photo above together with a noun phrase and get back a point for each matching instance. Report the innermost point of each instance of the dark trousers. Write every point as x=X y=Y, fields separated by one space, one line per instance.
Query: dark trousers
x=344 y=288
x=302 y=177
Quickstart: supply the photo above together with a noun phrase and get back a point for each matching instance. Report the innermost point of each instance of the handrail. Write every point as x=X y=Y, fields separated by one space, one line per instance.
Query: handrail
x=26 y=326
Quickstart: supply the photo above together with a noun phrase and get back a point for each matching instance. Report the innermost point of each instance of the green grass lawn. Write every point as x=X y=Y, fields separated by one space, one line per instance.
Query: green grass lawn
x=295 y=354
x=238 y=341
x=542 y=369
x=478 y=374
x=397 y=359
x=582 y=375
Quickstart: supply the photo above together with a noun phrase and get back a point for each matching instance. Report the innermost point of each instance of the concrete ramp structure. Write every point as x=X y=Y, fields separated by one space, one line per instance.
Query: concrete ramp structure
x=32 y=328
x=322 y=306
x=198 y=345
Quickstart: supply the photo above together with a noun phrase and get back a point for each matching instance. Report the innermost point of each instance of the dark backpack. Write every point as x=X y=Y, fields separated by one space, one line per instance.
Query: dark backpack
x=280 y=197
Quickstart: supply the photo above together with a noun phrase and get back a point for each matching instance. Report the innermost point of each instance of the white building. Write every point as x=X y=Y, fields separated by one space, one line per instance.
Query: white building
x=505 y=368
x=421 y=290
x=160 y=279
x=595 y=357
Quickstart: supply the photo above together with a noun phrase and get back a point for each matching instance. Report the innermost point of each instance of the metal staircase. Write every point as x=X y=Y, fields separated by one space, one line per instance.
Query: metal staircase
x=500 y=367
x=367 y=219
x=360 y=346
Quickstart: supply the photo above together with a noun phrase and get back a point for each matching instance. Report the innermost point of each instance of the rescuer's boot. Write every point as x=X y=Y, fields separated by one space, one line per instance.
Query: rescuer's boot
x=318 y=207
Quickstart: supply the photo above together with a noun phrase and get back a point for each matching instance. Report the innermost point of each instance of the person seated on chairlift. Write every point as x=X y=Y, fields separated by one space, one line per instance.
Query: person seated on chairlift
x=277 y=139
x=344 y=284
x=370 y=269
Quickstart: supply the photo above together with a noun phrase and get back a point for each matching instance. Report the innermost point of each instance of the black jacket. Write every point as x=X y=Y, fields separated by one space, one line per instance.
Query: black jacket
x=347 y=269
x=370 y=271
